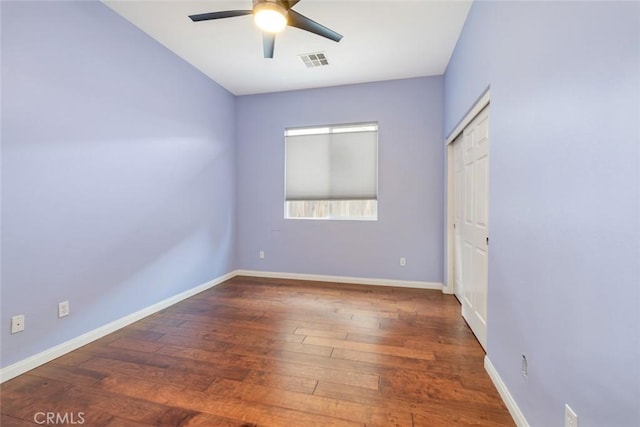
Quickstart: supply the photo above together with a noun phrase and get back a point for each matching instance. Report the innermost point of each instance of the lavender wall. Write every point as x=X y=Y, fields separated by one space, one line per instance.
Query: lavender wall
x=564 y=200
x=117 y=172
x=410 y=216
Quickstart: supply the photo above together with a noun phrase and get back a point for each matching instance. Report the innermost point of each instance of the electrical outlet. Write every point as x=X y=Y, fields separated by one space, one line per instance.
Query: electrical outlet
x=17 y=324
x=403 y=262
x=261 y=254
x=63 y=309
x=570 y=417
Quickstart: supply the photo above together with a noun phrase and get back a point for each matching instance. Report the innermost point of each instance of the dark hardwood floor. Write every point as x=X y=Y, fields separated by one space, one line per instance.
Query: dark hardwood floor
x=266 y=352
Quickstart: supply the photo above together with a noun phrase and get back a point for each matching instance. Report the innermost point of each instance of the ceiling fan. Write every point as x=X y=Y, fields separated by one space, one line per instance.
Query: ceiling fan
x=272 y=16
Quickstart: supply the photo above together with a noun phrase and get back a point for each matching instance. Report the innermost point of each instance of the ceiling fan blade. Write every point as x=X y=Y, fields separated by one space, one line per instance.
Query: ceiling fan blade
x=290 y=3
x=268 y=44
x=219 y=15
x=300 y=21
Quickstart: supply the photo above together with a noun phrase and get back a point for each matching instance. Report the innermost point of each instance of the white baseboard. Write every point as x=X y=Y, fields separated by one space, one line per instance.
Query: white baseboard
x=448 y=289
x=36 y=360
x=341 y=279
x=512 y=406
x=43 y=357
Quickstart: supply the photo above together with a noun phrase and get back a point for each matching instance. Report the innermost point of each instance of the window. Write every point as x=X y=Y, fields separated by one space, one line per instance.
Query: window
x=331 y=172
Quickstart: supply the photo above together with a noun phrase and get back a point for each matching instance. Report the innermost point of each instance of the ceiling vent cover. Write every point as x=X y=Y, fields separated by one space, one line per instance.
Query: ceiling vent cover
x=311 y=60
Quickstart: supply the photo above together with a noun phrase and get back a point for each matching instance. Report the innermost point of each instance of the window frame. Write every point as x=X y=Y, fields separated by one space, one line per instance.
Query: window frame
x=369 y=126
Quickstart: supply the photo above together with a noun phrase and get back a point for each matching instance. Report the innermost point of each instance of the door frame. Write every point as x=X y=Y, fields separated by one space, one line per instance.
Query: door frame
x=481 y=103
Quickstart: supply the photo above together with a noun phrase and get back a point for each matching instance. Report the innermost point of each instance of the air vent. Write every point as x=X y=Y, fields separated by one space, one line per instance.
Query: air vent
x=318 y=59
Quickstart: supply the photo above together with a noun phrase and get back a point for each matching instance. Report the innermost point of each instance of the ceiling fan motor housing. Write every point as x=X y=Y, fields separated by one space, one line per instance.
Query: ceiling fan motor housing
x=271 y=15
x=279 y=4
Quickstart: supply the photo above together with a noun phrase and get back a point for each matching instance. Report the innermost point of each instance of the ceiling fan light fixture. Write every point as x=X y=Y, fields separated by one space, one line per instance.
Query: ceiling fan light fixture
x=270 y=17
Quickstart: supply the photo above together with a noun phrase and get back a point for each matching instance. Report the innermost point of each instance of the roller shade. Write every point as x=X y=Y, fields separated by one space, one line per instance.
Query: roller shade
x=332 y=163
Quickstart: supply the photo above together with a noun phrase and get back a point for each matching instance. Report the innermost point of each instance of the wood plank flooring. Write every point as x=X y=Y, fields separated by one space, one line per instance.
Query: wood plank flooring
x=267 y=352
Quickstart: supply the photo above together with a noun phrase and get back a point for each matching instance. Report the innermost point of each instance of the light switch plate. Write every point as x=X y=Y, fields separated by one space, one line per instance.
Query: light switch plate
x=63 y=309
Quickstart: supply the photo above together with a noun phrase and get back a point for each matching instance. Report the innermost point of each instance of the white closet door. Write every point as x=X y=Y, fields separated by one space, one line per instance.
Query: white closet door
x=474 y=225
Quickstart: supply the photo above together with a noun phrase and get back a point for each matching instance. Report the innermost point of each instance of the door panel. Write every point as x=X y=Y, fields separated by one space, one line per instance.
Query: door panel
x=480 y=275
x=467 y=272
x=481 y=184
x=472 y=222
x=468 y=194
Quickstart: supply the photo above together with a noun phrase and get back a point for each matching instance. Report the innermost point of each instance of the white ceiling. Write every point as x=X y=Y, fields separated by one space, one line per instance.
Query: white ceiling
x=383 y=40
